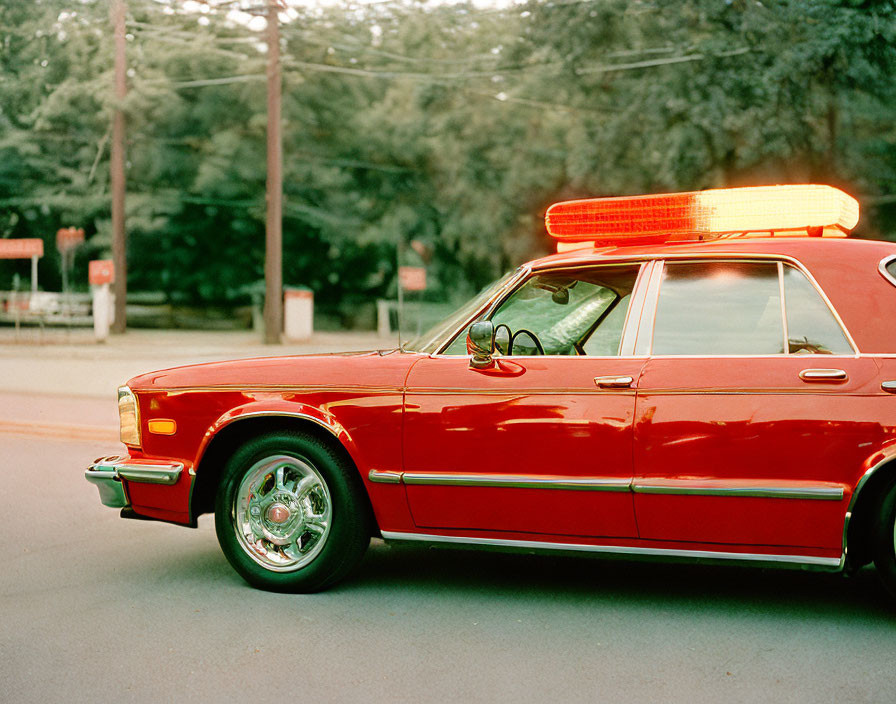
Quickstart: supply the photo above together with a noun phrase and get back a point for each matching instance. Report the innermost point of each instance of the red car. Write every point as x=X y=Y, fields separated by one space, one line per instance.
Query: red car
x=704 y=375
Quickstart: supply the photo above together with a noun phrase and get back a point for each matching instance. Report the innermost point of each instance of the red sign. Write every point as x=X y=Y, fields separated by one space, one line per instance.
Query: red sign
x=101 y=271
x=21 y=249
x=412 y=278
x=68 y=238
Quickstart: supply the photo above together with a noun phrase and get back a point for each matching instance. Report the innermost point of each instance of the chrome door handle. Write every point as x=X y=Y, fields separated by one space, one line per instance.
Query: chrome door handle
x=889 y=386
x=823 y=375
x=613 y=382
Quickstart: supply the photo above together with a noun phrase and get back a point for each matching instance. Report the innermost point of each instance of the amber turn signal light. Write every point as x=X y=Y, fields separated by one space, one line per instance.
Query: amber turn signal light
x=162 y=426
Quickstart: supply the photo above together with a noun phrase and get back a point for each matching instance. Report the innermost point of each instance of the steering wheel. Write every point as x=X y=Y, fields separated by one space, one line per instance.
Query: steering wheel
x=536 y=343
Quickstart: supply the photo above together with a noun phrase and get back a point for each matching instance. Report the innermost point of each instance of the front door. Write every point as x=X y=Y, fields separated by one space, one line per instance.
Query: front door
x=536 y=444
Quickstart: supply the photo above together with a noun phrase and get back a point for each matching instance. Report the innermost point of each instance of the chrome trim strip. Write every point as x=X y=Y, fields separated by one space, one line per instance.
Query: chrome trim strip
x=522 y=481
x=831 y=563
x=378 y=476
x=823 y=493
x=883 y=268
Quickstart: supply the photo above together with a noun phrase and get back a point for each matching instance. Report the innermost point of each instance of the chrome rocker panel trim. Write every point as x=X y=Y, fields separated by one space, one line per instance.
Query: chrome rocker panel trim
x=804 y=561
x=107 y=472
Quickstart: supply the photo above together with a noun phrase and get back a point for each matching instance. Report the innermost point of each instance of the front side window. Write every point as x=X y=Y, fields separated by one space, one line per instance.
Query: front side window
x=735 y=308
x=578 y=312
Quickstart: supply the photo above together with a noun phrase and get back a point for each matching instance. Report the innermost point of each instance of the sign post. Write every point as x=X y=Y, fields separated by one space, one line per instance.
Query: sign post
x=101 y=273
x=32 y=248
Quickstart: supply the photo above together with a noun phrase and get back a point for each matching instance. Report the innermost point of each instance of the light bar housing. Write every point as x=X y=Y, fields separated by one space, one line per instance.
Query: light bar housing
x=794 y=210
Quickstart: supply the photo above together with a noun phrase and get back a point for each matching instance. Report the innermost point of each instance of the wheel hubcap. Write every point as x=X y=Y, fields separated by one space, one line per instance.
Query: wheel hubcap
x=282 y=513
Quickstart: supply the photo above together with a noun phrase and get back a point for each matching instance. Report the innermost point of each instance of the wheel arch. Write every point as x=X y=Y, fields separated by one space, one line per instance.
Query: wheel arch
x=864 y=507
x=230 y=433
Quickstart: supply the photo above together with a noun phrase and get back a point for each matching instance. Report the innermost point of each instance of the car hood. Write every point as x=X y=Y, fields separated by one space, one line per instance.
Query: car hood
x=387 y=368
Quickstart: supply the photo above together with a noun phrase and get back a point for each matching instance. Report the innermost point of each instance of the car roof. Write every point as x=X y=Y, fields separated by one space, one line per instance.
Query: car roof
x=799 y=248
x=846 y=269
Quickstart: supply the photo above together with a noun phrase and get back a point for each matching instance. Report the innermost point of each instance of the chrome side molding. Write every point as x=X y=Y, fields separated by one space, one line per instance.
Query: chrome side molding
x=523 y=481
x=824 y=493
x=772 y=560
x=531 y=481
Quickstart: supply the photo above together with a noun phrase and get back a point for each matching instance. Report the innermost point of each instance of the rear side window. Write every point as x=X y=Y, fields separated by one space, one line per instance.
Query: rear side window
x=811 y=327
x=735 y=308
x=719 y=308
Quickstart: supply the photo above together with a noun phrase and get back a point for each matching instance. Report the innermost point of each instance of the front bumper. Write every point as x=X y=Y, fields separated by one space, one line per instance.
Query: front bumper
x=107 y=474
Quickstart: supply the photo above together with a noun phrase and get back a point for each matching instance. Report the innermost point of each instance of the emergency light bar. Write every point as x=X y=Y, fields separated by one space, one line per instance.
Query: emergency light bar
x=804 y=210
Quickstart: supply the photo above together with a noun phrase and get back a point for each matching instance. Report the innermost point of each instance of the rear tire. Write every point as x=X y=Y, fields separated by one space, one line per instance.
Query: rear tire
x=290 y=513
x=884 y=539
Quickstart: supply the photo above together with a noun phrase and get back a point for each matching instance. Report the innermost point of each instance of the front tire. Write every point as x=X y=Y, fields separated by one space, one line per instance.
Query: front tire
x=290 y=514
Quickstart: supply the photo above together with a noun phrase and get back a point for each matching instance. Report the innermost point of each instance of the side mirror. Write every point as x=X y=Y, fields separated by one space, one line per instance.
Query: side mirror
x=481 y=343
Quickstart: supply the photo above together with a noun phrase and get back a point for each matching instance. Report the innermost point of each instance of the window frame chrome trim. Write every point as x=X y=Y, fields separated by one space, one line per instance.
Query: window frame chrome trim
x=772 y=559
x=882 y=267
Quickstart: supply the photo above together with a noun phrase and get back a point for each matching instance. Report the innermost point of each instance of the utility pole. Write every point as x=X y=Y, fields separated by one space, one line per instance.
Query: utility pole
x=273 y=261
x=119 y=257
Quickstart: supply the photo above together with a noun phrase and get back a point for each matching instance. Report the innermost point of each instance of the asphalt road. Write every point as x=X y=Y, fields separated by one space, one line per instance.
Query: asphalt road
x=95 y=608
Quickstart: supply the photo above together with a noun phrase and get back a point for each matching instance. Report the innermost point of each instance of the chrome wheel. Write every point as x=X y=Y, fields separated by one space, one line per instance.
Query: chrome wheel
x=282 y=513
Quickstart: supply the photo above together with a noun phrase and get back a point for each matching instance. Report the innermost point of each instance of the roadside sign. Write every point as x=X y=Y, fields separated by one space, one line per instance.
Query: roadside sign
x=101 y=271
x=412 y=278
x=21 y=248
x=68 y=238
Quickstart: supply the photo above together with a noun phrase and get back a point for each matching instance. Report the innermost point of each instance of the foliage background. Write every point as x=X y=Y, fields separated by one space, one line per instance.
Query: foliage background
x=451 y=127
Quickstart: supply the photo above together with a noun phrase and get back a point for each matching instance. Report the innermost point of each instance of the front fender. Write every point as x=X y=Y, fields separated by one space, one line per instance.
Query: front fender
x=280 y=407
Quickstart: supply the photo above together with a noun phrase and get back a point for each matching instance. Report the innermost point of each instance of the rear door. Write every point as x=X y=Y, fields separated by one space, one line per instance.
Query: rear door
x=751 y=413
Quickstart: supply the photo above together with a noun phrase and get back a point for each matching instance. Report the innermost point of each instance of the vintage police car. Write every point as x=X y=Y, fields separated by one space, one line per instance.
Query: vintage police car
x=705 y=375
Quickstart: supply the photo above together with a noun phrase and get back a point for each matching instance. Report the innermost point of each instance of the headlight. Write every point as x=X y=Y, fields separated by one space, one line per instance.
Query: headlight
x=128 y=416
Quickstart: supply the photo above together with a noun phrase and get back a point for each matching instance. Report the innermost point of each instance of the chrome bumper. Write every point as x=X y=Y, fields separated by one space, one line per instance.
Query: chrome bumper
x=107 y=472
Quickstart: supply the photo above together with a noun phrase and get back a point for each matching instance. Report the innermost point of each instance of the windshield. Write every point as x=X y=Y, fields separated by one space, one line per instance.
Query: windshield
x=430 y=340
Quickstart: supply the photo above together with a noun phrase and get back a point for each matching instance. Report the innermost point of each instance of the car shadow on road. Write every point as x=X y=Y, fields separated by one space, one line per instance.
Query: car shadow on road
x=619 y=582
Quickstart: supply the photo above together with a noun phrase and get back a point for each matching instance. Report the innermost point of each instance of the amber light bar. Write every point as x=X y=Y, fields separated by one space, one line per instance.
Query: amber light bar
x=801 y=210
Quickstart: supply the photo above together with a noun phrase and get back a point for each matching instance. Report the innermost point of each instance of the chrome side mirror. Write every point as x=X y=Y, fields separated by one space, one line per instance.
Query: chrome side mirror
x=481 y=343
